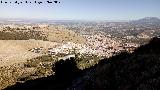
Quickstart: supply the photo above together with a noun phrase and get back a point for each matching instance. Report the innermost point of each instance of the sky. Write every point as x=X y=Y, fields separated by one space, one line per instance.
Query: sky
x=82 y=9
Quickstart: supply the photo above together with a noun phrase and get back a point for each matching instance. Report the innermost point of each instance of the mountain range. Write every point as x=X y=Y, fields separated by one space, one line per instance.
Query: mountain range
x=147 y=20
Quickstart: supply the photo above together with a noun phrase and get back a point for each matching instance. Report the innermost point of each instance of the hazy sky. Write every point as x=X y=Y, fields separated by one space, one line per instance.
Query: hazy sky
x=83 y=9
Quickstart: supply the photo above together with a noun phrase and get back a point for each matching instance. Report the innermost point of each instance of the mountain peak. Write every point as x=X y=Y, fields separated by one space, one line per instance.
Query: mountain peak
x=151 y=19
x=147 y=20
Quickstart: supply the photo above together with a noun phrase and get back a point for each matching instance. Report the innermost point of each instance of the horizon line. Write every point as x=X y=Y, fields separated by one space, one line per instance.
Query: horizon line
x=49 y=19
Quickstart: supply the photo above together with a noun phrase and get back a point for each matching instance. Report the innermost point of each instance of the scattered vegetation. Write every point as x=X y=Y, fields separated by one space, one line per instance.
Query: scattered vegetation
x=86 y=61
x=55 y=35
x=41 y=66
x=32 y=69
x=129 y=71
x=136 y=71
x=22 y=35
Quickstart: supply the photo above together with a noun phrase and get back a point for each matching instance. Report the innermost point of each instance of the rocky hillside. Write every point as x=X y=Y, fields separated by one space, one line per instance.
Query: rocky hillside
x=15 y=43
x=134 y=71
x=52 y=33
x=137 y=71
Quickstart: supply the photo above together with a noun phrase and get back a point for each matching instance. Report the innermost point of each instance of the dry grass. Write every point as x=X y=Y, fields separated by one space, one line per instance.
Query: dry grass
x=51 y=34
x=14 y=45
x=63 y=35
x=16 y=51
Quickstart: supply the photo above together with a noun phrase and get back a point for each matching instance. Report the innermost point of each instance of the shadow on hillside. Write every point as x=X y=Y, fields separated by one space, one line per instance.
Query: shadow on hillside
x=137 y=71
x=65 y=72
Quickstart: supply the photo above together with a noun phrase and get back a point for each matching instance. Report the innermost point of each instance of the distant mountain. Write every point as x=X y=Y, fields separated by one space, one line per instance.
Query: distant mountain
x=147 y=20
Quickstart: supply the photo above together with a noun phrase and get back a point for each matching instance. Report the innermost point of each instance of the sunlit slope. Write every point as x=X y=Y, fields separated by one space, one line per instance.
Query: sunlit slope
x=54 y=34
x=16 y=51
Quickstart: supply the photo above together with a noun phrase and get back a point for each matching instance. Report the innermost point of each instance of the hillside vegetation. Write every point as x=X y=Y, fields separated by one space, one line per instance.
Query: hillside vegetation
x=126 y=71
x=16 y=42
x=137 y=71
x=55 y=34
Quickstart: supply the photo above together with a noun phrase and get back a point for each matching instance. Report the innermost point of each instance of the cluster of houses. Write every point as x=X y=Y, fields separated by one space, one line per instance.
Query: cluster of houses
x=96 y=44
x=37 y=50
